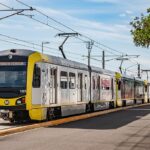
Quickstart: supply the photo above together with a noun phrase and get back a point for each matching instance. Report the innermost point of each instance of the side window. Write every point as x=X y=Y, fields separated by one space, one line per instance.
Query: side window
x=105 y=84
x=79 y=80
x=85 y=82
x=72 y=80
x=63 y=80
x=93 y=82
x=119 y=85
x=36 y=77
x=145 y=88
x=98 y=82
x=53 y=77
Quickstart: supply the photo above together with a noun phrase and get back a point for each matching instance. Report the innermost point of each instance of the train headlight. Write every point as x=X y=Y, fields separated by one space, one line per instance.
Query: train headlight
x=20 y=101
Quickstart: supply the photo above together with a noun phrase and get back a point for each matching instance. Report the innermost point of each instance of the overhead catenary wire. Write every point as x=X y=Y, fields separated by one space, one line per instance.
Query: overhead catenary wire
x=97 y=45
x=58 y=22
x=35 y=44
x=33 y=18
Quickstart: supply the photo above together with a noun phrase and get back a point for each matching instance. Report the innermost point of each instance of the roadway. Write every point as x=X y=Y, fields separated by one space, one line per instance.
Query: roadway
x=123 y=130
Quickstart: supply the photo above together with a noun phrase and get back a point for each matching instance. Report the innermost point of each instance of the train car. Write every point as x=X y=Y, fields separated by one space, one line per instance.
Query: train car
x=42 y=87
x=103 y=89
x=147 y=89
x=125 y=90
x=139 y=91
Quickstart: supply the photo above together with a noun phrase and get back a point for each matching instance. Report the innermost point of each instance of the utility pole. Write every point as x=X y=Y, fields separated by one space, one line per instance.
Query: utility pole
x=66 y=35
x=43 y=46
x=103 y=59
x=139 y=71
x=146 y=71
x=89 y=45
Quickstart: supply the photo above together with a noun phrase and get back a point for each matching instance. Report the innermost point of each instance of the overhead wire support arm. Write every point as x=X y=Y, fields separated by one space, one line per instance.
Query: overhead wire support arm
x=15 y=11
x=66 y=35
x=125 y=58
x=146 y=71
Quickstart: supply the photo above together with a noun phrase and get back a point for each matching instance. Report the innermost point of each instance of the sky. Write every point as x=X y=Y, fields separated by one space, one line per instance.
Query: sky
x=105 y=21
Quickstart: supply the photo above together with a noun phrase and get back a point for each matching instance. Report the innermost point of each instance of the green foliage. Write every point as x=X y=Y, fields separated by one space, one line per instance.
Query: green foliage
x=141 y=30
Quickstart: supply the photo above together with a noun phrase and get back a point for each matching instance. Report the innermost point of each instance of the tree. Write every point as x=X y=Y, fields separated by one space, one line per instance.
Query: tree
x=141 y=30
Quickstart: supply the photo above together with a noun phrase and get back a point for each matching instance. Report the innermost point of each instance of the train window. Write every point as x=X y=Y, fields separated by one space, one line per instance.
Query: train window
x=79 y=80
x=119 y=85
x=72 y=80
x=145 y=88
x=53 y=77
x=63 y=80
x=93 y=82
x=85 y=82
x=98 y=82
x=36 y=77
x=105 y=84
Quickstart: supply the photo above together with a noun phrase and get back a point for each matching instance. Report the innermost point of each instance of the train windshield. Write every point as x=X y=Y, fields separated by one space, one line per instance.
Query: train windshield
x=13 y=76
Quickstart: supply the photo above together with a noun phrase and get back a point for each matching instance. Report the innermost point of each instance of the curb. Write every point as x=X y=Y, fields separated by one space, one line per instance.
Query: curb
x=65 y=120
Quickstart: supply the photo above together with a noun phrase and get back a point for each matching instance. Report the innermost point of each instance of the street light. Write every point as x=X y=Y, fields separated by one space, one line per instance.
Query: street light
x=43 y=46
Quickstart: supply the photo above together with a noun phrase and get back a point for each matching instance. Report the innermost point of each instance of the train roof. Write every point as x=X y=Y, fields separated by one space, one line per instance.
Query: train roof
x=139 y=80
x=127 y=76
x=77 y=65
x=19 y=52
x=57 y=61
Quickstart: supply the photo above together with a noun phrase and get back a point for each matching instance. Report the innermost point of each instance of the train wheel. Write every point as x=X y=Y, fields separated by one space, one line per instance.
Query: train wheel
x=111 y=105
x=11 y=120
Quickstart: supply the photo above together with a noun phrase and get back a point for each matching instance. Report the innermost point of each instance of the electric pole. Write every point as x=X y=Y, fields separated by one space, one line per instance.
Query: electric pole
x=146 y=71
x=89 y=46
x=103 y=59
x=139 y=71
x=43 y=46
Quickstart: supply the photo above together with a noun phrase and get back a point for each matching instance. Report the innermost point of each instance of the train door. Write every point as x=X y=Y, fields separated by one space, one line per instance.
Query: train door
x=72 y=87
x=148 y=91
x=119 y=92
x=64 y=89
x=98 y=88
x=53 y=86
x=112 y=88
x=80 y=87
x=85 y=88
x=36 y=85
x=94 y=91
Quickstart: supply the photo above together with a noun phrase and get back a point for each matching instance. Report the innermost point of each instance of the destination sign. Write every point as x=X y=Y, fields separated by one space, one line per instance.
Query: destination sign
x=12 y=63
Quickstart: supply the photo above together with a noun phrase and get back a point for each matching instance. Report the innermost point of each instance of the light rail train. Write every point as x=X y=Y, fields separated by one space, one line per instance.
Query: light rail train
x=40 y=87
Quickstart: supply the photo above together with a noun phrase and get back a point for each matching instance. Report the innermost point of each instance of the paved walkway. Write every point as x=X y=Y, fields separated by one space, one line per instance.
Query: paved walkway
x=124 y=130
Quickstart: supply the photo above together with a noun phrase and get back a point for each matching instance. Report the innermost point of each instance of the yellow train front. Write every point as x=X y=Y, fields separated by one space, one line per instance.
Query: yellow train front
x=16 y=83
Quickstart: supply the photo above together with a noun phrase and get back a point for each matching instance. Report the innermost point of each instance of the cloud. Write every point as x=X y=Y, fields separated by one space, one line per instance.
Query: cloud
x=122 y=15
x=103 y=1
x=114 y=33
x=129 y=12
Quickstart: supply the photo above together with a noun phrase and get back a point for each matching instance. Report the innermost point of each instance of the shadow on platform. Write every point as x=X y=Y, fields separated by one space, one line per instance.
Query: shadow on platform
x=109 y=121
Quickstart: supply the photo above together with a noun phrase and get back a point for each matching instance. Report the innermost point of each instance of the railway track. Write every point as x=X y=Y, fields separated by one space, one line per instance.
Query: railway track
x=7 y=128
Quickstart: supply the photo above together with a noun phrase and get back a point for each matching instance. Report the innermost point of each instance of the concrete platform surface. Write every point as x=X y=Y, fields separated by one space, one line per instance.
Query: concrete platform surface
x=124 y=130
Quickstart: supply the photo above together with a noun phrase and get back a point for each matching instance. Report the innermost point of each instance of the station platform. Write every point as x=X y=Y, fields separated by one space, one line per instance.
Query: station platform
x=124 y=130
